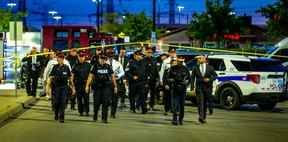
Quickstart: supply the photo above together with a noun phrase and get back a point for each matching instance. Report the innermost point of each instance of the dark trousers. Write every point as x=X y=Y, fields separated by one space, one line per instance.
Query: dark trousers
x=114 y=104
x=152 y=90
x=138 y=95
x=60 y=96
x=121 y=93
x=82 y=99
x=31 y=86
x=203 y=97
x=178 y=102
x=72 y=99
x=167 y=100
x=102 y=96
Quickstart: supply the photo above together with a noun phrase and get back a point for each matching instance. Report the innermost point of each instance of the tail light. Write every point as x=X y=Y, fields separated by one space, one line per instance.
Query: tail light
x=255 y=78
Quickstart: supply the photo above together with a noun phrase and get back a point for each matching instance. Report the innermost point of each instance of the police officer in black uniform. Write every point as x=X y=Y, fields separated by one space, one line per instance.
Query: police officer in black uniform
x=104 y=84
x=72 y=58
x=152 y=75
x=32 y=71
x=95 y=57
x=136 y=75
x=60 y=80
x=178 y=77
x=80 y=73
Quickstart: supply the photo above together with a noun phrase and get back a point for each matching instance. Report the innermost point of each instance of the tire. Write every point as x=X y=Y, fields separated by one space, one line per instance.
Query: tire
x=267 y=106
x=229 y=98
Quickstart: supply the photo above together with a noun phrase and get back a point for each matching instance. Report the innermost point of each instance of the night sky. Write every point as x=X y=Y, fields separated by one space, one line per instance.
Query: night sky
x=77 y=11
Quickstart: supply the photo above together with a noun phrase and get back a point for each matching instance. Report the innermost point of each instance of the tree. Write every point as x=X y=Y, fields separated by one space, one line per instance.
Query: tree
x=222 y=16
x=277 y=15
x=137 y=26
x=6 y=16
x=201 y=28
x=111 y=24
x=218 y=20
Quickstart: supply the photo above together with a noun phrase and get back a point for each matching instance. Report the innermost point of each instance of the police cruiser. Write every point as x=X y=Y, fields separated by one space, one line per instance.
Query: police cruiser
x=246 y=80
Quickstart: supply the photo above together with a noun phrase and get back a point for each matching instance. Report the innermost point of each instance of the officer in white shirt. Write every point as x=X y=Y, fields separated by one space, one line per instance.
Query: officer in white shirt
x=119 y=74
x=165 y=66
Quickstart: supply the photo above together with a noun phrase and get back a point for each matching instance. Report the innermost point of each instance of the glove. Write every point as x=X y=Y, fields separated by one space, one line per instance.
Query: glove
x=87 y=90
x=167 y=87
x=115 y=90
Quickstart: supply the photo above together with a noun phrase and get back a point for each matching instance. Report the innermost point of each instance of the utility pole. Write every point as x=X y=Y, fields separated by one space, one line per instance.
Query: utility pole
x=98 y=15
x=154 y=15
x=172 y=11
x=153 y=33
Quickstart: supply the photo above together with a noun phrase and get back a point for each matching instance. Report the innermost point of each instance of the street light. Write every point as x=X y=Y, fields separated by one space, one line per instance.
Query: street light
x=180 y=9
x=98 y=13
x=232 y=13
x=12 y=5
x=57 y=18
x=52 y=13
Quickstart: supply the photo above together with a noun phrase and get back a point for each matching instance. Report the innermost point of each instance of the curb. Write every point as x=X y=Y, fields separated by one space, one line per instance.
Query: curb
x=16 y=108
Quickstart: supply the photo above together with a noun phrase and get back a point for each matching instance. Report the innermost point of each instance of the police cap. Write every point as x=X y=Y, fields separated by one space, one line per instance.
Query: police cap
x=60 y=55
x=82 y=54
x=172 y=49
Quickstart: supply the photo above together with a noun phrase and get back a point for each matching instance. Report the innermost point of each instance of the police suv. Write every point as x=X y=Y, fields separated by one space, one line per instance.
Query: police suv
x=243 y=80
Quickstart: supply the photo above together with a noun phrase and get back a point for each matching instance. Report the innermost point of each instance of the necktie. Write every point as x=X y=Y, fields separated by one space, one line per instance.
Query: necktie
x=122 y=61
x=202 y=69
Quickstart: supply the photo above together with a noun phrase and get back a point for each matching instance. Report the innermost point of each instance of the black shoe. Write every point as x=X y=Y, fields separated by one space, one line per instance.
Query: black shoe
x=202 y=121
x=133 y=111
x=113 y=116
x=81 y=114
x=180 y=122
x=104 y=121
x=95 y=118
x=56 y=117
x=210 y=111
x=174 y=123
x=165 y=113
x=61 y=121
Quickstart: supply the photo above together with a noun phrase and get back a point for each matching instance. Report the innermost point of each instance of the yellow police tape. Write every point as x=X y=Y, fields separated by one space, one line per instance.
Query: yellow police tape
x=82 y=48
x=226 y=51
x=149 y=44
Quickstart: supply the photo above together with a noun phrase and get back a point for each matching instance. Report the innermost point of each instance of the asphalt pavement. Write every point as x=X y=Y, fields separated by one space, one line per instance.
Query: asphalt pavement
x=248 y=124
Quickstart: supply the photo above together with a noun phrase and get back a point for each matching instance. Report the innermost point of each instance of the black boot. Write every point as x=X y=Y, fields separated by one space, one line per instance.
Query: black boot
x=95 y=117
x=174 y=119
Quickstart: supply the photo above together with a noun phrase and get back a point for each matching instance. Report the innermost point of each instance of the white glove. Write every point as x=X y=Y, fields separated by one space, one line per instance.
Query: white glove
x=167 y=87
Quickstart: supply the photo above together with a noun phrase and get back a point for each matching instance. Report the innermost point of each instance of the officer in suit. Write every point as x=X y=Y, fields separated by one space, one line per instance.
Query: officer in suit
x=137 y=78
x=202 y=79
x=60 y=80
x=33 y=68
x=104 y=86
x=122 y=83
x=80 y=73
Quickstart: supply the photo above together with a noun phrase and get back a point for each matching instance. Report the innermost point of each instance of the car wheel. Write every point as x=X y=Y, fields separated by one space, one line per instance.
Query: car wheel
x=229 y=98
x=267 y=106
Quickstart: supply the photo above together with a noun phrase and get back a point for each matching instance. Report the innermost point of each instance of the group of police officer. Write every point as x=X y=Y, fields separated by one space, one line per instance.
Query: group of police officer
x=110 y=77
